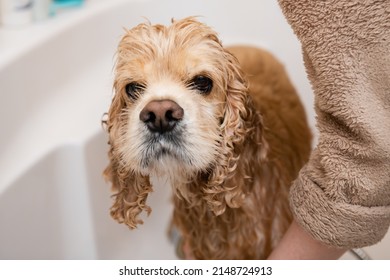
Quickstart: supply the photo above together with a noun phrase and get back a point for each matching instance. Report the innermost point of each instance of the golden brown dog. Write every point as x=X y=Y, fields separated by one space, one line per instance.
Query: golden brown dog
x=224 y=128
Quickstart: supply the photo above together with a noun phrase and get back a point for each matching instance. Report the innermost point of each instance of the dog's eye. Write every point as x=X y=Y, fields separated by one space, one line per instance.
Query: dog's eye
x=134 y=89
x=202 y=83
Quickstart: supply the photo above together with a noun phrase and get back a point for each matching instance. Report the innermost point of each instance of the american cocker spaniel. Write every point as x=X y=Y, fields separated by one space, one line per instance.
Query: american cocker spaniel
x=223 y=127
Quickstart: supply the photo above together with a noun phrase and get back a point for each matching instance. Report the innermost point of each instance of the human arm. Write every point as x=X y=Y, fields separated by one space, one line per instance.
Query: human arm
x=299 y=245
x=342 y=196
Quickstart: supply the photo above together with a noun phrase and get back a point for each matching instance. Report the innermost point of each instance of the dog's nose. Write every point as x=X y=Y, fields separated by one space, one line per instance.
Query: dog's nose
x=161 y=115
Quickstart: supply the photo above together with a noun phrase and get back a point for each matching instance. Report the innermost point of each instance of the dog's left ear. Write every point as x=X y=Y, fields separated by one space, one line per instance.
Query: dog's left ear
x=242 y=136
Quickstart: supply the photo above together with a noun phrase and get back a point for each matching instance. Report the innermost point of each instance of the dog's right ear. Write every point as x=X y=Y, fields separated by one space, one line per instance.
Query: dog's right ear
x=130 y=194
x=130 y=188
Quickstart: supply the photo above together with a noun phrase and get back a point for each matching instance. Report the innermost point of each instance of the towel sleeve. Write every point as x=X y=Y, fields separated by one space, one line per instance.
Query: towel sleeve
x=342 y=195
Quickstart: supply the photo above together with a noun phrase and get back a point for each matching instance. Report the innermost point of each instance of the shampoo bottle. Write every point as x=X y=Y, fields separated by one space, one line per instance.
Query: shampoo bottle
x=16 y=12
x=41 y=9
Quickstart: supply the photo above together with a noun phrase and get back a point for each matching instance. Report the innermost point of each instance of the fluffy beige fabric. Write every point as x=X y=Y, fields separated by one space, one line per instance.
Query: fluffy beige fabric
x=342 y=196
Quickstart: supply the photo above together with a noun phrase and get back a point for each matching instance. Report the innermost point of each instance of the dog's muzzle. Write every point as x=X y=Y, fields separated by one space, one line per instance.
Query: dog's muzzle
x=165 y=137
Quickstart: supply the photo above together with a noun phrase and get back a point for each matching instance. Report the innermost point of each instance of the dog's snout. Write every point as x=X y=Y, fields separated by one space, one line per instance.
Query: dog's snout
x=161 y=115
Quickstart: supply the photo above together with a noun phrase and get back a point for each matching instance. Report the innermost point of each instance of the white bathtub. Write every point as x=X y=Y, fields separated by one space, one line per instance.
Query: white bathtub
x=55 y=85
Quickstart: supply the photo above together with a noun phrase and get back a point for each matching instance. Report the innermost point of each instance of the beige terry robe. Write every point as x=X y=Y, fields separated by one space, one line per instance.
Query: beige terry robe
x=342 y=196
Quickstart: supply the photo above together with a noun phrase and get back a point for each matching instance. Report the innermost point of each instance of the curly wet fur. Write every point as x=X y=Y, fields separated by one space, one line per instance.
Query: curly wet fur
x=231 y=202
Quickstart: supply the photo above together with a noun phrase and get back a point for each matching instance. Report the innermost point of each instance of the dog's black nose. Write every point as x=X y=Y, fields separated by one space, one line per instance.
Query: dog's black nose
x=161 y=115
